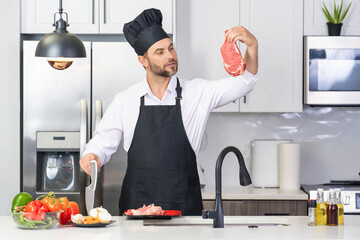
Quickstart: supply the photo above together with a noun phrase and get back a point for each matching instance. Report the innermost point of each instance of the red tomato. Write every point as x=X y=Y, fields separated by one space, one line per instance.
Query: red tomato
x=46 y=200
x=31 y=210
x=44 y=208
x=73 y=209
x=35 y=210
x=64 y=203
x=54 y=205
x=38 y=203
x=40 y=215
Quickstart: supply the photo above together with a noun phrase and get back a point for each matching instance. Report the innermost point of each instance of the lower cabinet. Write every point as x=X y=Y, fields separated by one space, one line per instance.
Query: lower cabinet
x=261 y=207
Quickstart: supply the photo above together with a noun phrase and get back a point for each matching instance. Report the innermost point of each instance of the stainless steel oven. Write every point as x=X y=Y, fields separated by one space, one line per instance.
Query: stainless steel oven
x=332 y=70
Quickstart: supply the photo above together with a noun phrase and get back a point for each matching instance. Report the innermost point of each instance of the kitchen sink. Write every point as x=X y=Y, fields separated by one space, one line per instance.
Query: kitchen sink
x=228 y=220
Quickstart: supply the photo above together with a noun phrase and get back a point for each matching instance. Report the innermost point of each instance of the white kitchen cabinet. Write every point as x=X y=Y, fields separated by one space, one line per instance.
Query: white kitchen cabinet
x=115 y=13
x=38 y=15
x=90 y=16
x=278 y=27
x=315 y=20
x=200 y=29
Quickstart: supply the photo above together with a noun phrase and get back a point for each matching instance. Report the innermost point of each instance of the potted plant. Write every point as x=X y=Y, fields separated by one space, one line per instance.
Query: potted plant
x=335 y=20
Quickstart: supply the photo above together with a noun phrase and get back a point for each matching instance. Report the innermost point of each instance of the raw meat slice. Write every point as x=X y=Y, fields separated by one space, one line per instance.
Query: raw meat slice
x=146 y=210
x=232 y=59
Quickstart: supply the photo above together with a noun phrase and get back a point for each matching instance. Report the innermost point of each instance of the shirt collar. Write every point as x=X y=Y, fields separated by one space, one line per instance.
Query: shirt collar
x=145 y=88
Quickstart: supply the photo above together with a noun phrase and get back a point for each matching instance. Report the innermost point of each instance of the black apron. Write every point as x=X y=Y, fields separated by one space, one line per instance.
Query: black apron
x=161 y=162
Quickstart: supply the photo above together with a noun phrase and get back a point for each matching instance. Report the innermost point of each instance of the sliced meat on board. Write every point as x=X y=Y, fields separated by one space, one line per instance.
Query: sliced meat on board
x=232 y=59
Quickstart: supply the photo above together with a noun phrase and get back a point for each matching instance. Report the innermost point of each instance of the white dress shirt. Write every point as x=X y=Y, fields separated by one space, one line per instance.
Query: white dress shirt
x=199 y=98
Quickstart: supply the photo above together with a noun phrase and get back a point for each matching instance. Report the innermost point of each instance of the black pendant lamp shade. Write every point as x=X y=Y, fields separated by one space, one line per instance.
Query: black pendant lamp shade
x=60 y=46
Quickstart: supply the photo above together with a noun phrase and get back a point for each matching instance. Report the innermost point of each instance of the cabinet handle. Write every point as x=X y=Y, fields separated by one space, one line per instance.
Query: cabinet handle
x=93 y=12
x=244 y=99
x=104 y=11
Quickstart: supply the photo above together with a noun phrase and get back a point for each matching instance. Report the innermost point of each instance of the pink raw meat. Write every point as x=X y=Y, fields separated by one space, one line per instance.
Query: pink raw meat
x=232 y=59
x=146 y=210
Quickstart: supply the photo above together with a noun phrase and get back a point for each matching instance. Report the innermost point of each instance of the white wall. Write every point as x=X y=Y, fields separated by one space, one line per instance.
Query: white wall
x=9 y=103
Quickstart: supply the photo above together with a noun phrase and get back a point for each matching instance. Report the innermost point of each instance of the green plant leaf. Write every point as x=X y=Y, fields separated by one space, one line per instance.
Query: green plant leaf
x=327 y=14
x=344 y=15
x=337 y=17
x=340 y=10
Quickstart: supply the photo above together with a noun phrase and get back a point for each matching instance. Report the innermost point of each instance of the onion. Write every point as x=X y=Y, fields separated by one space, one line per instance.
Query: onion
x=93 y=213
x=104 y=217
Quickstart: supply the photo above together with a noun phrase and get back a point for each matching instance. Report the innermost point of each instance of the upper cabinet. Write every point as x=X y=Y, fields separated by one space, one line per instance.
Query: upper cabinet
x=200 y=29
x=90 y=16
x=315 y=20
x=278 y=27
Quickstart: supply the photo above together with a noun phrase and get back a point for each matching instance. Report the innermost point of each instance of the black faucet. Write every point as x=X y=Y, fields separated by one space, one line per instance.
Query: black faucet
x=217 y=214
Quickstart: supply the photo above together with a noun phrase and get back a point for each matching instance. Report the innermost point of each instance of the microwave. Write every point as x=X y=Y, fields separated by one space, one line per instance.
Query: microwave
x=332 y=70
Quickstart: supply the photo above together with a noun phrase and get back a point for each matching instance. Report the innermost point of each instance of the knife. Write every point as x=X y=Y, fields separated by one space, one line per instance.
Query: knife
x=90 y=190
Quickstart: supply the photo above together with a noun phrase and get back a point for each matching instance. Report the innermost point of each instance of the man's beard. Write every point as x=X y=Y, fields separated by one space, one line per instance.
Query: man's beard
x=157 y=70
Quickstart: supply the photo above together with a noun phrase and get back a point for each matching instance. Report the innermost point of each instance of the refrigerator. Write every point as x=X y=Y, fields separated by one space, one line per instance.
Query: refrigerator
x=60 y=112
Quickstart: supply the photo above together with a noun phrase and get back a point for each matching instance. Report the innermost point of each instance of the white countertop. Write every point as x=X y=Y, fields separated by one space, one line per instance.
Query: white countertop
x=251 y=193
x=134 y=229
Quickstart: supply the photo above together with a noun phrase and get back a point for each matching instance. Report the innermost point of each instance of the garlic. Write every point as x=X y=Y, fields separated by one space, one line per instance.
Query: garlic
x=78 y=219
x=104 y=217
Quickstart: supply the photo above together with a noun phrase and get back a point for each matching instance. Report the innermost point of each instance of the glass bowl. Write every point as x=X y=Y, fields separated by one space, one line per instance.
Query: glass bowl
x=32 y=221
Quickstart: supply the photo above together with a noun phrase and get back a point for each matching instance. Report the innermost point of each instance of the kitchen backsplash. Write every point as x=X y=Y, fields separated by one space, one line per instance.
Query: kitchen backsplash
x=329 y=138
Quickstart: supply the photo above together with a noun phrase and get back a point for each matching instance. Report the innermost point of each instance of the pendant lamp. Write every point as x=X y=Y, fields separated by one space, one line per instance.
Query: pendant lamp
x=60 y=47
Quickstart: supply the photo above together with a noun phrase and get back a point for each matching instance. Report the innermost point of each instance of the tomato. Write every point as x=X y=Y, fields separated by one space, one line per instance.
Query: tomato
x=73 y=209
x=46 y=200
x=54 y=205
x=38 y=203
x=64 y=203
x=35 y=210
x=44 y=208
x=40 y=215
x=31 y=210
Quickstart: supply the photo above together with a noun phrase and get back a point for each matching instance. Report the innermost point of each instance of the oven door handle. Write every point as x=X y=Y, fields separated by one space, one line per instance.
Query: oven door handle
x=83 y=126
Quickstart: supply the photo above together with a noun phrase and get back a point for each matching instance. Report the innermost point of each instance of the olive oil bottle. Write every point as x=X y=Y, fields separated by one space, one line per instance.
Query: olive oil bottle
x=321 y=208
x=332 y=210
x=340 y=206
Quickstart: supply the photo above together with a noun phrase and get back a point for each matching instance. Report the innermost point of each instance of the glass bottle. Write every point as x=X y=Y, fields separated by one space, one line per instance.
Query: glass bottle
x=312 y=212
x=332 y=210
x=340 y=206
x=321 y=216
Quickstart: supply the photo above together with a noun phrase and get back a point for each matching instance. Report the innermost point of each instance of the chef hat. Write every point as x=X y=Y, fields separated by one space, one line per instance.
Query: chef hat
x=145 y=30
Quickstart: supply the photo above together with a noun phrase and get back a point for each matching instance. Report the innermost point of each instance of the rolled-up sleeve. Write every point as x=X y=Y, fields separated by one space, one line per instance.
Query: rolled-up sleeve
x=224 y=91
x=107 y=135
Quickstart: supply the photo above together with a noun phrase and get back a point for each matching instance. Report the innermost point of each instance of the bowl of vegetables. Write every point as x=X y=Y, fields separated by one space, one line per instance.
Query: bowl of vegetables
x=43 y=212
x=36 y=220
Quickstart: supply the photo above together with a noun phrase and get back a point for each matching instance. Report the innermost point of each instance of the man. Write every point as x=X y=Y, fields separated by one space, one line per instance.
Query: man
x=163 y=135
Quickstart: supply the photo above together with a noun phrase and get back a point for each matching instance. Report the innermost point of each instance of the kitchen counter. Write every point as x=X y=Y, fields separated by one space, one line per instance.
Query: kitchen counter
x=251 y=193
x=134 y=229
